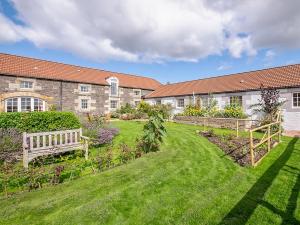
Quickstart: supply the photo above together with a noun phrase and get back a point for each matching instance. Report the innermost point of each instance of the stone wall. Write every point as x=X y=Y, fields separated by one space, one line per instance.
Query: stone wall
x=66 y=96
x=229 y=123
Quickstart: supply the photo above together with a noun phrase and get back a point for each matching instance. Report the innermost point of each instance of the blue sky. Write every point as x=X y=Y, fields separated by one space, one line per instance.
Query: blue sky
x=241 y=48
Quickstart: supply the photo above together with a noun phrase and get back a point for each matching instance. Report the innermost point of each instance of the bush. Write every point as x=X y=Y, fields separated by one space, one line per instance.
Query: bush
x=144 y=107
x=105 y=135
x=127 y=108
x=234 y=111
x=191 y=110
x=10 y=144
x=39 y=121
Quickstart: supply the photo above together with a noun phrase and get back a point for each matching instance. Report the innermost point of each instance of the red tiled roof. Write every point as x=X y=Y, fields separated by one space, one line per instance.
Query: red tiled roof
x=278 y=77
x=36 y=68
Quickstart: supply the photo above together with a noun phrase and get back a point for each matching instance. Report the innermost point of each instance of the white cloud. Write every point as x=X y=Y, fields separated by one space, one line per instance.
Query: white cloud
x=155 y=30
x=224 y=66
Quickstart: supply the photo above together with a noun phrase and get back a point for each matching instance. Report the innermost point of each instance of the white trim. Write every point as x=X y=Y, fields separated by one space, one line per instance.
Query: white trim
x=111 y=80
x=295 y=107
x=19 y=105
x=177 y=101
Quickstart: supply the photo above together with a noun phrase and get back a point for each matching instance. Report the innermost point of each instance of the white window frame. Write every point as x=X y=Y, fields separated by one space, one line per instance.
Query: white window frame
x=84 y=101
x=32 y=104
x=84 y=88
x=113 y=80
x=239 y=97
x=26 y=84
x=110 y=104
x=298 y=99
x=135 y=91
x=158 y=102
x=177 y=103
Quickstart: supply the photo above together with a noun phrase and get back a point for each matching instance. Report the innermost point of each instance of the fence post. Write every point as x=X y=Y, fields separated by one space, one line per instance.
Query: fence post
x=269 y=138
x=251 y=149
x=279 y=130
x=237 y=128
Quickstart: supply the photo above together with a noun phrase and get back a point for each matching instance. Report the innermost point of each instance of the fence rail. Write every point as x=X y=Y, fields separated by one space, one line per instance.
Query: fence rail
x=267 y=138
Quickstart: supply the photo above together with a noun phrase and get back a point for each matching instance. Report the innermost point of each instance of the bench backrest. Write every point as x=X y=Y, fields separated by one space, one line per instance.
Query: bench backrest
x=46 y=140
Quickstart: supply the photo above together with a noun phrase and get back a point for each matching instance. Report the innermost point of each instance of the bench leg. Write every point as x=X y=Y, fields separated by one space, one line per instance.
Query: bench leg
x=25 y=162
x=25 y=159
x=86 y=149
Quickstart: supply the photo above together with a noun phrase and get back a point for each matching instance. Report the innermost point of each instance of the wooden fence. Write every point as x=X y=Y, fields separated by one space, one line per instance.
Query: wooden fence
x=267 y=138
x=229 y=123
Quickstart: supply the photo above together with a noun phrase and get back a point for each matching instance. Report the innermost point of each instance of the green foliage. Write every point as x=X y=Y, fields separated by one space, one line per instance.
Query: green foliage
x=192 y=110
x=127 y=108
x=144 y=107
x=230 y=111
x=154 y=131
x=189 y=163
x=234 y=111
x=163 y=109
x=39 y=121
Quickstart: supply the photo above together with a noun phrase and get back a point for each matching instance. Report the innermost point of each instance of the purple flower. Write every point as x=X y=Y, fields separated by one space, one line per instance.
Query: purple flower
x=105 y=135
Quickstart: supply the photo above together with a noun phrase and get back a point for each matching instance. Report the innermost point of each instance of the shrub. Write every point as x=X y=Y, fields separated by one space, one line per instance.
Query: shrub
x=39 y=121
x=105 y=135
x=234 y=111
x=154 y=131
x=92 y=125
x=191 y=110
x=144 y=107
x=10 y=144
x=127 y=108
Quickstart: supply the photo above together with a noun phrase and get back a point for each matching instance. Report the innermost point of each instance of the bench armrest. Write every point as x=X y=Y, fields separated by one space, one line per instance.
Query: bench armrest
x=85 y=138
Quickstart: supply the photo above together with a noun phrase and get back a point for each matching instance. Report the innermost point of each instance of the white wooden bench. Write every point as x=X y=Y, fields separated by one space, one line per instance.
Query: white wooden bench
x=48 y=143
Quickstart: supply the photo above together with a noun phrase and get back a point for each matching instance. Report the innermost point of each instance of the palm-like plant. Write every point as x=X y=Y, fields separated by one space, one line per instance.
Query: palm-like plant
x=154 y=131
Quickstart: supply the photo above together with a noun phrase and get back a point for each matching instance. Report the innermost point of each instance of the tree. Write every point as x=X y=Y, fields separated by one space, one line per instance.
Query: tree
x=269 y=104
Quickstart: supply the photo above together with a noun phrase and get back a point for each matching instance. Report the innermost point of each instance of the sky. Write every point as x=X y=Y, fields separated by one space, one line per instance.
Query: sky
x=169 y=40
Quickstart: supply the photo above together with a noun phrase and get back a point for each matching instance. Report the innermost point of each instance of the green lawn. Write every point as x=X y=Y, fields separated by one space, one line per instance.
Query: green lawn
x=189 y=181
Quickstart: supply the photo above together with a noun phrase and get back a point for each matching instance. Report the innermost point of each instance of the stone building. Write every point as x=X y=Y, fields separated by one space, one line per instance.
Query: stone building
x=242 y=87
x=28 y=84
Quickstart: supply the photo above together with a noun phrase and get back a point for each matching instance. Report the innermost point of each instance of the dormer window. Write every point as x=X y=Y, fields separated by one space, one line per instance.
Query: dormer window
x=26 y=85
x=114 y=86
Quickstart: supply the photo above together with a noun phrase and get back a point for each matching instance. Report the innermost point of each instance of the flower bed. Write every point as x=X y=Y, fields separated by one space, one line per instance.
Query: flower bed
x=238 y=148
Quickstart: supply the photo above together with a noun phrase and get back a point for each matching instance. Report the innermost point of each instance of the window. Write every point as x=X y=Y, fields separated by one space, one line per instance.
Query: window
x=137 y=92
x=24 y=104
x=180 y=103
x=113 y=88
x=84 y=88
x=296 y=99
x=26 y=84
x=12 y=105
x=113 y=104
x=38 y=105
x=236 y=100
x=158 y=102
x=84 y=103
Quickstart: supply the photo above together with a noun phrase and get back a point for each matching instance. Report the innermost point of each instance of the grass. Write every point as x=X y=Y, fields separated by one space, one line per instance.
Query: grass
x=190 y=181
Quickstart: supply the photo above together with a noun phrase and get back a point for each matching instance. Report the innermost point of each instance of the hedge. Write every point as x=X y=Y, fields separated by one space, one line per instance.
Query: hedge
x=39 y=121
